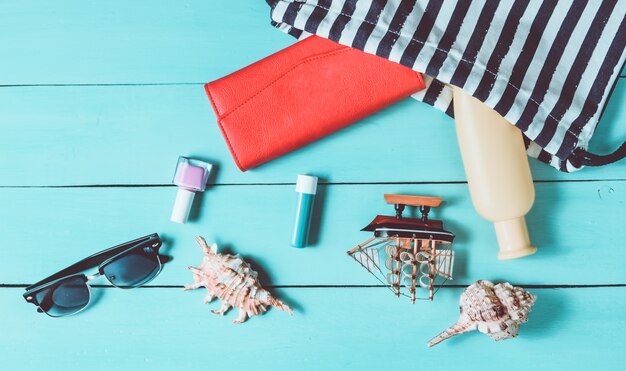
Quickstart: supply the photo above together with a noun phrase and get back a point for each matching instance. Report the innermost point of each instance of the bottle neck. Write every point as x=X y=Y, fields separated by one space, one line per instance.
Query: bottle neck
x=513 y=239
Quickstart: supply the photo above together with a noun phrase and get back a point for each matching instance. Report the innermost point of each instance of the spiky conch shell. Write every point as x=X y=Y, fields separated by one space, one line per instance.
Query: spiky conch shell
x=230 y=279
x=496 y=310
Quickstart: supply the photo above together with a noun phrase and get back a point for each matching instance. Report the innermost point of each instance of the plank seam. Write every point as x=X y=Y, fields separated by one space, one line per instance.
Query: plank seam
x=102 y=84
x=157 y=185
x=526 y=286
x=121 y=84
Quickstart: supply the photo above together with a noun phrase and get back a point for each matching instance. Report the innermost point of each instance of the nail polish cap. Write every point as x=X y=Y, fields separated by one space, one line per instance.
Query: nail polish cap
x=192 y=174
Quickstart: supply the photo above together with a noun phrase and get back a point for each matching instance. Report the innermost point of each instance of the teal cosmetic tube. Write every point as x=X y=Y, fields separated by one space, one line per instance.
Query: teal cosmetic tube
x=306 y=187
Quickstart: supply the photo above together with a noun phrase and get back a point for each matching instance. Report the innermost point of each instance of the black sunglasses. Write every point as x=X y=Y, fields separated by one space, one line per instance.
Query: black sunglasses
x=126 y=266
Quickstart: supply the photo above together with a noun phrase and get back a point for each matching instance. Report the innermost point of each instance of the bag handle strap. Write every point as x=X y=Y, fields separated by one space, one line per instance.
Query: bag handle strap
x=581 y=157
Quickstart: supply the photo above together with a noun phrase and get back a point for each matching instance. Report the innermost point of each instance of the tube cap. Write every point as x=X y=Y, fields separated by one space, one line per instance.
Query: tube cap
x=182 y=206
x=306 y=184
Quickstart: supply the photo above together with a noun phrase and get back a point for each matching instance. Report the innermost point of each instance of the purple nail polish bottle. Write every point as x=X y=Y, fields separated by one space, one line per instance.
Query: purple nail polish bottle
x=191 y=176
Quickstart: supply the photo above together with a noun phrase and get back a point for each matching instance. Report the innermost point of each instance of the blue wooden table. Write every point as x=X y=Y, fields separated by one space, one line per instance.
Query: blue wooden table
x=97 y=101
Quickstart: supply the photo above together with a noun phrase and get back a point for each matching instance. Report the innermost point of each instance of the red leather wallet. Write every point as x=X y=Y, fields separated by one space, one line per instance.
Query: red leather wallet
x=303 y=93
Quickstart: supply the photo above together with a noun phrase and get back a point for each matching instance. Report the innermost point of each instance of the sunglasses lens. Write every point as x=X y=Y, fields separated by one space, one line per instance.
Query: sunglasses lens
x=133 y=268
x=65 y=297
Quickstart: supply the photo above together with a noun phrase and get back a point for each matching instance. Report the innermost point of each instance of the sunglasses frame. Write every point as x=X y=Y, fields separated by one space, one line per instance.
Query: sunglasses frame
x=100 y=259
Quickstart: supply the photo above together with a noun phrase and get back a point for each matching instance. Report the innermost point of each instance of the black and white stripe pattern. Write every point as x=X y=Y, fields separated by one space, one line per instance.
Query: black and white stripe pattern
x=546 y=65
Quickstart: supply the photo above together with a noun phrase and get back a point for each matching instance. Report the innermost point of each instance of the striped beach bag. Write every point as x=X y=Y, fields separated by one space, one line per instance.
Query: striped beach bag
x=547 y=66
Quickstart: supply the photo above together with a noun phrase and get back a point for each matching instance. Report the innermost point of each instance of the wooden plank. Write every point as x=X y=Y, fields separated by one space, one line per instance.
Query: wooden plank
x=331 y=328
x=46 y=229
x=133 y=135
x=76 y=42
x=87 y=42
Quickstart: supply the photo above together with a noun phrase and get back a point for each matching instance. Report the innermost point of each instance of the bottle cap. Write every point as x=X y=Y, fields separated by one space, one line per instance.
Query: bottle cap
x=182 y=206
x=306 y=184
x=513 y=239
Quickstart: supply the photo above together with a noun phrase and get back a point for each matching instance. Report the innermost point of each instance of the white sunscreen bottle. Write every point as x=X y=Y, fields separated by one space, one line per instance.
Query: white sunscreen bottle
x=497 y=171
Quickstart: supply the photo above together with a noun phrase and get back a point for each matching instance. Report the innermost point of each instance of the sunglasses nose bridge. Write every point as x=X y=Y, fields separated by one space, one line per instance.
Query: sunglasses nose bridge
x=94 y=276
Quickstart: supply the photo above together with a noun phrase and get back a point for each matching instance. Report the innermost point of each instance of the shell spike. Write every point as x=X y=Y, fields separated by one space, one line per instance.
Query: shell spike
x=203 y=245
x=457 y=328
x=280 y=305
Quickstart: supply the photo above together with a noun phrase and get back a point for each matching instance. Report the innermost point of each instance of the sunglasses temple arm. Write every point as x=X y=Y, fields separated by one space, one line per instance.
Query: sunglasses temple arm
x=94 y=260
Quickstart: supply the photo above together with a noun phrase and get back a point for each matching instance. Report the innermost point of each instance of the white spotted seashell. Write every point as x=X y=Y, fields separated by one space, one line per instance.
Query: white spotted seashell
x=495 y=310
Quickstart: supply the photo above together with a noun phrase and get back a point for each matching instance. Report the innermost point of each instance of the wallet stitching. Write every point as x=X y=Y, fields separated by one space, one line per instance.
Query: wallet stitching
x=310 y=59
